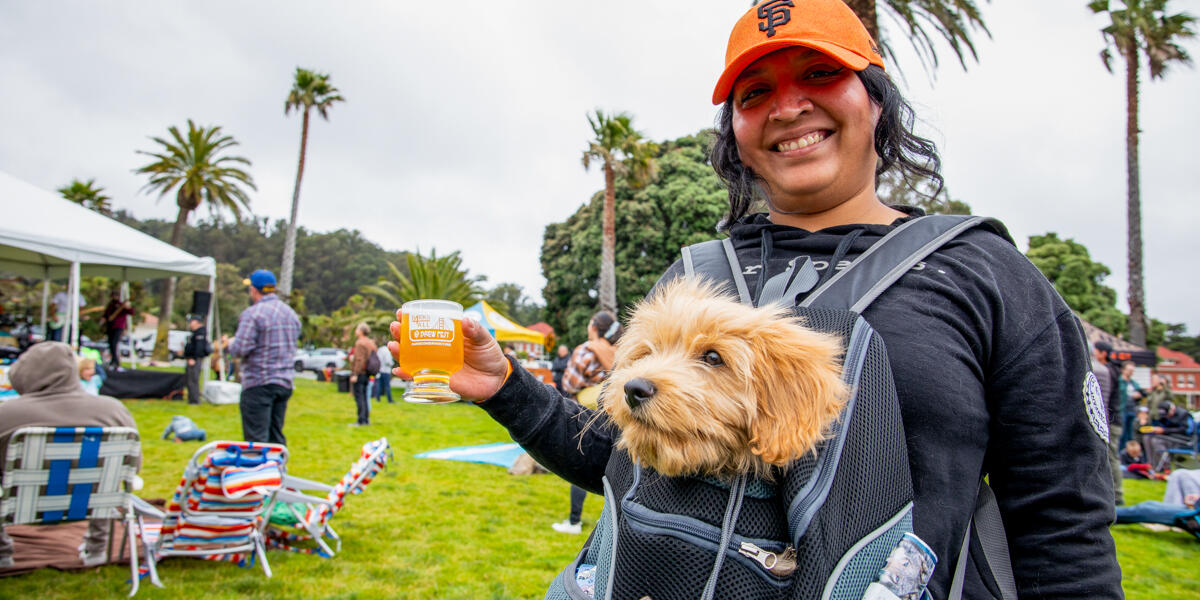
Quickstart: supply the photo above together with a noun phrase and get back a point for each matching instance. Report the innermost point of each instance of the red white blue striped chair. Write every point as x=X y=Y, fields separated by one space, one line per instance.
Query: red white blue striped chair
x=58 y=474
x=218 y=508
x=310 y=515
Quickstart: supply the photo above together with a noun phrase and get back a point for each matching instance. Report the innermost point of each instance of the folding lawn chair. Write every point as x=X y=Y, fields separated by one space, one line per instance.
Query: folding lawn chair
x=311 y=514
x=58 y=474
x=1182 y=453
x=217 y=510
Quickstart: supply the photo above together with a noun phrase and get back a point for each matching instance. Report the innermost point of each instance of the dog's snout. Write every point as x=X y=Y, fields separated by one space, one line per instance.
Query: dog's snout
x=638 y=391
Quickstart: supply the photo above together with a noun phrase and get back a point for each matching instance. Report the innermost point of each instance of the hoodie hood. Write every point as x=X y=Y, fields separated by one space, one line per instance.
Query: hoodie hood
x=749 y=230
x=45 y=367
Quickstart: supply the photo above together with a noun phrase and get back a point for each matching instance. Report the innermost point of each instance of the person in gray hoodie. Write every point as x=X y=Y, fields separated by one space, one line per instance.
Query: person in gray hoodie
x=50 y=396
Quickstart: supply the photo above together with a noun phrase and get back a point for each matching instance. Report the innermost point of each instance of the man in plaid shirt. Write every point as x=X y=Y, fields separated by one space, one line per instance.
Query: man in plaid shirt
x=266 y=339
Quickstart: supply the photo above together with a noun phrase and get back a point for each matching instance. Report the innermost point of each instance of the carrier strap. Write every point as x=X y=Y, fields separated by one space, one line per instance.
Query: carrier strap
x=860 y=283
x=716 y=260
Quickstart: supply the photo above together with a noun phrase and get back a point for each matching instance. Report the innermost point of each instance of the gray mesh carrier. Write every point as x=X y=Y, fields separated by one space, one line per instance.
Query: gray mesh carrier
x=842 y=510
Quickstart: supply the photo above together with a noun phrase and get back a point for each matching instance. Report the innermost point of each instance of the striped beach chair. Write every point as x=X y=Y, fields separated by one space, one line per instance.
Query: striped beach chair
x=306 y=518
x=218 y=508
x=58 y=474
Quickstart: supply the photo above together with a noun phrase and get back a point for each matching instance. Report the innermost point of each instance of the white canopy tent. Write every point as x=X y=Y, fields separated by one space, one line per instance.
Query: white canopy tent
x=45 y=236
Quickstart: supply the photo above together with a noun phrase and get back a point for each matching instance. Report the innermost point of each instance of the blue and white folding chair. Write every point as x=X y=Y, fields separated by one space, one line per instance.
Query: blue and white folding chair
x=58 y=474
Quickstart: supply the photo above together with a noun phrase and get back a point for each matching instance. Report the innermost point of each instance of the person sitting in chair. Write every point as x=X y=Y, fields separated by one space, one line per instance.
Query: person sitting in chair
x=47 y=379
x=1171 y=432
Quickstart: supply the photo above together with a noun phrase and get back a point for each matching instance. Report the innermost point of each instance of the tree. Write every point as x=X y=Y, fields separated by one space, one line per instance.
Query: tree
x=309 y=90
x=953 y=20
x=1142 y=26
x=88 y=195
x=621 y=152
x=200 y=172
x=681 y=206
x=431 y=277
x=895 y=188
x=510 y=299
x=1078 y=279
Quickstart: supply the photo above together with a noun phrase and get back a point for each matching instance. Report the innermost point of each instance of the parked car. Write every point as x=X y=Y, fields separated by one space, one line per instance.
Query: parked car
x=315 y=360
x=143 y=346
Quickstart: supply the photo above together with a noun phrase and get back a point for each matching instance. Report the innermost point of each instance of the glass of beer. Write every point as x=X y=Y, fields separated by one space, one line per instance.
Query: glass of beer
x=431 y=348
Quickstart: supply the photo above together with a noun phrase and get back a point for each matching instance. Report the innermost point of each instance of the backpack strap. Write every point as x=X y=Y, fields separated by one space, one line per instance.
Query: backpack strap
x=856 y=286
x=717 y=261
x=989 y=528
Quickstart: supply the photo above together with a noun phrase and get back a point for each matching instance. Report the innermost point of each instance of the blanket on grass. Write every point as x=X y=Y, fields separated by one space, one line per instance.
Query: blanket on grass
x=502 y=454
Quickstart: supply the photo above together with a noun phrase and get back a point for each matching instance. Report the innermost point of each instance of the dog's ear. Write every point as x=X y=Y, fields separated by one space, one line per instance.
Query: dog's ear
x=800 y=393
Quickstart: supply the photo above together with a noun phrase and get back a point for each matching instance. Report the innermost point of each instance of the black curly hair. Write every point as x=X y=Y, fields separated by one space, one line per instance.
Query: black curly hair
x=895 y=143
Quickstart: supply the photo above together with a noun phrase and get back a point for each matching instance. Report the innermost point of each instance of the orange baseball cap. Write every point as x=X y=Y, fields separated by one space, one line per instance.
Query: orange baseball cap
x=827 y=26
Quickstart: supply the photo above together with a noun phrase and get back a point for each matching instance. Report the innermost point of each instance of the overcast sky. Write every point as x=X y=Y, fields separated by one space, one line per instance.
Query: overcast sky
x=465 y=121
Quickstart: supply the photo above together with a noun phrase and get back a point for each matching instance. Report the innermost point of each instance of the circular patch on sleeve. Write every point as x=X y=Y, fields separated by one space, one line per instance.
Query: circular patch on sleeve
x=1093 y=403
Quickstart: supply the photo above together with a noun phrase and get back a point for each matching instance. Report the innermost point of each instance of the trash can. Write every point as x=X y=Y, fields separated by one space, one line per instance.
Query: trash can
x=343 y=381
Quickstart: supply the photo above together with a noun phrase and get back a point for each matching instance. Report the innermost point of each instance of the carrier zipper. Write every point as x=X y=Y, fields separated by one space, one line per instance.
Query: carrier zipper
x=781 y=564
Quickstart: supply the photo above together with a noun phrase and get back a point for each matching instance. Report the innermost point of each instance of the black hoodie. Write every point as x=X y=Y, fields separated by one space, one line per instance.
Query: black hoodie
x=991 y=372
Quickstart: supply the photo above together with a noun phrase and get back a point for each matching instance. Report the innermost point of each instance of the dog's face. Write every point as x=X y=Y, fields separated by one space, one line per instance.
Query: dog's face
x=705 y=385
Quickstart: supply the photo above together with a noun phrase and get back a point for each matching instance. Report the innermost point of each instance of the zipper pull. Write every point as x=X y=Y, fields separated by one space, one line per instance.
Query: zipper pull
x=782 y=564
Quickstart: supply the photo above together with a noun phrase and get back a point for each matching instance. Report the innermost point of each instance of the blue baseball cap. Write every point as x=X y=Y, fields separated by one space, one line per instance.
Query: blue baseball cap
x=263 y=280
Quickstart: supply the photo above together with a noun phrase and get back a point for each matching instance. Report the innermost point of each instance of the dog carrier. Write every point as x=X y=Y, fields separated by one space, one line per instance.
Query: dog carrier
x=826 y=526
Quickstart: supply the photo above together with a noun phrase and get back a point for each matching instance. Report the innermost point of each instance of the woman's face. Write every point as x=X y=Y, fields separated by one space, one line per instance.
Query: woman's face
x=805 y=124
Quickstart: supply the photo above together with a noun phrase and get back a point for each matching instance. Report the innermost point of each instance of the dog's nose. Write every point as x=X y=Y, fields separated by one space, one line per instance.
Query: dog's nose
x=638 y=391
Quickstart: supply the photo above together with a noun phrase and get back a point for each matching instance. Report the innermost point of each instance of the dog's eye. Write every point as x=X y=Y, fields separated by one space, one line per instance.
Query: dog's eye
x=712 y=359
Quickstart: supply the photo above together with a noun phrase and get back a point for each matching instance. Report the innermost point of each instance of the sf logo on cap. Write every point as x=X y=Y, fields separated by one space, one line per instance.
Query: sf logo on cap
x=775 y=13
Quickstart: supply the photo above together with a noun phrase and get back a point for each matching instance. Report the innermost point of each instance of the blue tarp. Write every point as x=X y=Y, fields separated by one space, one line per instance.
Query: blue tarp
x=502 y=454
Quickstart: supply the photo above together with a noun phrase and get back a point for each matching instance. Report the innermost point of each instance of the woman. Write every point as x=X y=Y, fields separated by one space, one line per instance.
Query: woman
x=589 y=366
x=988 y=361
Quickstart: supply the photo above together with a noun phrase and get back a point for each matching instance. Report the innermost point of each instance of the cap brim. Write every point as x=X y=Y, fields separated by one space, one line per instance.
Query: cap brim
x=246 y=281
x=850 y=59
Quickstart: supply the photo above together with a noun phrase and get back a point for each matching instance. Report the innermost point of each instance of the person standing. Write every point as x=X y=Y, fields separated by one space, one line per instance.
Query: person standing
x=383 y=381
x=266 y=341
x=1129 y=394
x=589 y=365
x=1160 y=391
x=1107 y=376
x=560 y=365
x=360 y=375
x=981 y=345
x=114 y=322
x=195 y=351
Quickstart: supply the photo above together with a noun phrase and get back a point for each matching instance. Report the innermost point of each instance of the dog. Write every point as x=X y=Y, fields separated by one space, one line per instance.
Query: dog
x=704 y=385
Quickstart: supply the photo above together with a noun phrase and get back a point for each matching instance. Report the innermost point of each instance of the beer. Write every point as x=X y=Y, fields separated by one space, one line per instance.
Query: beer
x=431 y=348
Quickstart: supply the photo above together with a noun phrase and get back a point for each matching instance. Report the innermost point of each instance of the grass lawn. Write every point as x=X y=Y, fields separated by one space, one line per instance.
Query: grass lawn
x=441 y=529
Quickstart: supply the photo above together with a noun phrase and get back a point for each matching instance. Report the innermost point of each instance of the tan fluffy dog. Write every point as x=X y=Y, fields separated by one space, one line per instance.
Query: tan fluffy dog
x=705 y=385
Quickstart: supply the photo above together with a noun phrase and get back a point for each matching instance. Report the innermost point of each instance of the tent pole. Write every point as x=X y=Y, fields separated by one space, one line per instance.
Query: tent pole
x=45 y=301
x=208 y=321
x=74 y=286
x=128 y=325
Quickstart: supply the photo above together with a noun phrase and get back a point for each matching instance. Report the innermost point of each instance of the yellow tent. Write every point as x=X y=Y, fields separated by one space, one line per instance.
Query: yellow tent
x=504 y=329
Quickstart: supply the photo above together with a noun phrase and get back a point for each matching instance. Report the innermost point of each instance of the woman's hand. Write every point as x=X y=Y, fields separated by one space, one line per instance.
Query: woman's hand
x=484 y=364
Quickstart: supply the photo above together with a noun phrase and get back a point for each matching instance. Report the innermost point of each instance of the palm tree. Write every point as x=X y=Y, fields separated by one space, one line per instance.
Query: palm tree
x=953 y=20
x=194 y=165
x=309 y=90
x=88 y=195
x=440 y=277
x=620 y=150
x=1141 y=26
